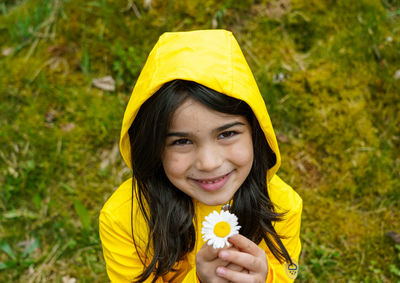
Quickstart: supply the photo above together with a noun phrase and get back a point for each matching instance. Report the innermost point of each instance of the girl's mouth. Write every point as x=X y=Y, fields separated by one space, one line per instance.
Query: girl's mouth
x=212 y=184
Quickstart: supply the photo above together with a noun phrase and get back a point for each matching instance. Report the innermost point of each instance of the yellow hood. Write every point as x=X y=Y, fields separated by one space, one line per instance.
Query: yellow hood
x=212 y=58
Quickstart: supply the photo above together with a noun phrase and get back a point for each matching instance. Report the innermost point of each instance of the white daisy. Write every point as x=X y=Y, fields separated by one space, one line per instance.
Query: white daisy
x=218 y=227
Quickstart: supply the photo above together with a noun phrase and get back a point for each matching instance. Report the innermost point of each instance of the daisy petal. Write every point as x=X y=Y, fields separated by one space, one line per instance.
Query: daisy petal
x=225 y=220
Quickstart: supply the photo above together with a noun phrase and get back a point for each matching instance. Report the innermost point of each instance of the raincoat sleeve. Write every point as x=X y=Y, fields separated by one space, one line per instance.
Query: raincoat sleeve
x=289 y=228
x=123 y=263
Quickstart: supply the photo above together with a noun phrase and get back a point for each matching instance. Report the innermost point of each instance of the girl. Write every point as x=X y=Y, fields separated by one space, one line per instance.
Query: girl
x=197 y=136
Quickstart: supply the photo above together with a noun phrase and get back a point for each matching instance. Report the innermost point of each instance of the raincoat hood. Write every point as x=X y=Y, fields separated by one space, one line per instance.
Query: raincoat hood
x=212 y=58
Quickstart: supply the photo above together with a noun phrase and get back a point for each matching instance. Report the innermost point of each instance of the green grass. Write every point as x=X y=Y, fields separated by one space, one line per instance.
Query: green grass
x=327 y=72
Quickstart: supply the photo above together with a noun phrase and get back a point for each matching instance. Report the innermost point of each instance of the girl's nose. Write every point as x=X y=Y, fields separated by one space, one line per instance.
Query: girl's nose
x=208 y=158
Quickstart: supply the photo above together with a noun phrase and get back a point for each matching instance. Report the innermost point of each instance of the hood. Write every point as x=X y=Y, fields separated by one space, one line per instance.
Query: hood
x=212 y=58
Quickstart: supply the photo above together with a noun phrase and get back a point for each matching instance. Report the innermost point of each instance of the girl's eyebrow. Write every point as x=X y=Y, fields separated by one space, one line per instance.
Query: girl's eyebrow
x=227 y=126
x=178 y=134
x=219 y=129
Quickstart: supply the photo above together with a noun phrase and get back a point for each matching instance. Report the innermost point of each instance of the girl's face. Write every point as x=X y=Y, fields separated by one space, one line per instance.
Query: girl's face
x=207 y=154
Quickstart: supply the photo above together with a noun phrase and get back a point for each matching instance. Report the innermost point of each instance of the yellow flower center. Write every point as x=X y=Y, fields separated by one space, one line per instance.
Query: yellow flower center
x=222 y=229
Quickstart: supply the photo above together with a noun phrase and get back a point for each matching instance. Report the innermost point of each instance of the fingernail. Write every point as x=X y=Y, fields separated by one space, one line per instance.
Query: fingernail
x=220 y=271
x=223 y=254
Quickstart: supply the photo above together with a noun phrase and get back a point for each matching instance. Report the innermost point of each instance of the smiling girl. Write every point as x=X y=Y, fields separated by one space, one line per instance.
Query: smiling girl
x=197 y=136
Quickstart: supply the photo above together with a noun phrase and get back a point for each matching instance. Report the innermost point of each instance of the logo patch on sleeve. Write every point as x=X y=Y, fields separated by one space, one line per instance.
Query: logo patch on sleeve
x=292 y=270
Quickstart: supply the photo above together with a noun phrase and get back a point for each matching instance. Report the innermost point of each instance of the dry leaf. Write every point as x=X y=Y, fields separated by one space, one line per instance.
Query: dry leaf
x=147 y=4
x=109 y=157
x=273 y=9
x=31 y=270
x=51 y=115
x=394 y=236
x=282 y=138
x=7 y=51
x=67 y=127
x=58 y=50
x=106 y=83
x=67 y=279
x=397 y=75
x=13 y=172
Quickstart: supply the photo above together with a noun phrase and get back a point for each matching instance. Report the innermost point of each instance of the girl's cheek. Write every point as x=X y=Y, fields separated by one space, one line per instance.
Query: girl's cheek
x=175 y=164
x=242 y=153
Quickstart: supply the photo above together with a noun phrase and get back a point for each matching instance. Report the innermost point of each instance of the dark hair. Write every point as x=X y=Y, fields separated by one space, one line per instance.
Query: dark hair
x=167 y=210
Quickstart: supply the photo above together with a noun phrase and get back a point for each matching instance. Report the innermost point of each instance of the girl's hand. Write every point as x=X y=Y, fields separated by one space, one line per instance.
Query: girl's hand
x=207 y=262
x=249 y=257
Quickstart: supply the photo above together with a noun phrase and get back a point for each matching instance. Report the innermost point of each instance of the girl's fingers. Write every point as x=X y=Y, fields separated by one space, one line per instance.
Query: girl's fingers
x=245 y=260
x=249 y=256
x=246 y=245
x=207 y=261
x=208 y=253
x=235 y=267
x=234 y=276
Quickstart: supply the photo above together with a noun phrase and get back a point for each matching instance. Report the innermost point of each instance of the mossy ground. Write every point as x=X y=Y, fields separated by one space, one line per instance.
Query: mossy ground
x=327 y=70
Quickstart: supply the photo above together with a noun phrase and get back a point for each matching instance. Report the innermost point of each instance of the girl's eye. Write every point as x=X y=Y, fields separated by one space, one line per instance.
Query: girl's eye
x=181 y=142
x=227 y=134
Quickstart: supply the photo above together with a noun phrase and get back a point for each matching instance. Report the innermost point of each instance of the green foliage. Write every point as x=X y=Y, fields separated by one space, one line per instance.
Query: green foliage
x=83 y=214
x=22 y=259
x=127 y=64
x=328 y=71
x=395 y=267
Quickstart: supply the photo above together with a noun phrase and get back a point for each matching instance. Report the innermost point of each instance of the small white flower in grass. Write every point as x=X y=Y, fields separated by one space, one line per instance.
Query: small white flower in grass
x=218 y=227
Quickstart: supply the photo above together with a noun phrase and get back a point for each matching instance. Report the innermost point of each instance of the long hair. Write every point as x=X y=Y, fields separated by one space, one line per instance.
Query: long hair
x=167 y=210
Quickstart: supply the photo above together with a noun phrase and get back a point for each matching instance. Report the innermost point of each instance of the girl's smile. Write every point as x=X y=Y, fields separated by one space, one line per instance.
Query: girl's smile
x=208 y=154
x=212 y=184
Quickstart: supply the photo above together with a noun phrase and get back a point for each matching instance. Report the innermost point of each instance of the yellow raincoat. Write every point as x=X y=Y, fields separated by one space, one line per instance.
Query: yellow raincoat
x=212 y=58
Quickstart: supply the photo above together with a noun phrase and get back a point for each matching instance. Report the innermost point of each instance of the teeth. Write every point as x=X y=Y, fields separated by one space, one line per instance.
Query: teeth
x=211 y=182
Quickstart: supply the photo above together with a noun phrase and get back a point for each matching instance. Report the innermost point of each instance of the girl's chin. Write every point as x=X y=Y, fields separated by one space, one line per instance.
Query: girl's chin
x=215 y=202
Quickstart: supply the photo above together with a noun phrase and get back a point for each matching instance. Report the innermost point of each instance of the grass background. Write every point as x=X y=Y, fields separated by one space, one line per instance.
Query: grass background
x=330 y=75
